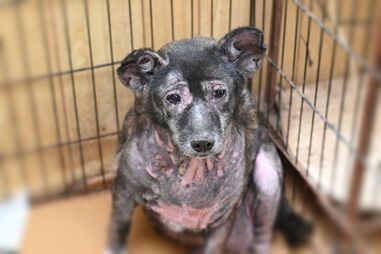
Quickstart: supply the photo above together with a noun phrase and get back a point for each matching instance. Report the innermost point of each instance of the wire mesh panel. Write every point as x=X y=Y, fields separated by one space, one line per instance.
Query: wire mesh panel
x=61 y=103
x=322 y=104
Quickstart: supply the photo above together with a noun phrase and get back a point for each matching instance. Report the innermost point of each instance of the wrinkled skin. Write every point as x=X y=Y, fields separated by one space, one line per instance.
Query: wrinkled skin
x=191 y=151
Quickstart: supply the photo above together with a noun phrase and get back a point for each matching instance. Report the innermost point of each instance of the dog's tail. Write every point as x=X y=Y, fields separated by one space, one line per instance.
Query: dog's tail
x=296 y=229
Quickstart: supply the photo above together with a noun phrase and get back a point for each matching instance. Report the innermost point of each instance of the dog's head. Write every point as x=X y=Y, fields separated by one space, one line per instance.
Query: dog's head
x=192 y=87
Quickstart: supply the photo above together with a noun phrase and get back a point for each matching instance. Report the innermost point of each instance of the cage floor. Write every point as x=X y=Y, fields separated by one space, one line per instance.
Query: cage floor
x=79 y=225
x=331 y=168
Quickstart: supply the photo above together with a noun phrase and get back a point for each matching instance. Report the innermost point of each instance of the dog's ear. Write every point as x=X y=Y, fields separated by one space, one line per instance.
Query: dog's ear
x=244 y=48
x=138 y=67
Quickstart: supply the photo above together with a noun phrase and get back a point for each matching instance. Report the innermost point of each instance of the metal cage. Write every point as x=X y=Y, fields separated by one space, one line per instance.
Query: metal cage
x=61 y=106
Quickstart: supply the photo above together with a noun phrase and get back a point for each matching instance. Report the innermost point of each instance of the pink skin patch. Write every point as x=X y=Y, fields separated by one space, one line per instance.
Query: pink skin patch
x=250 y=65
x=173 y=158
x=186 y=97
x=158 y=139
x=170 y=146
x=265 y=174
x=151 y=172
x=180 y=87
x=222 y=153
x=209 y=164
x=185 y=215
x=160 y=160
x=194 y=172
x=212 y=85
x=199 y=175
x=195 y=166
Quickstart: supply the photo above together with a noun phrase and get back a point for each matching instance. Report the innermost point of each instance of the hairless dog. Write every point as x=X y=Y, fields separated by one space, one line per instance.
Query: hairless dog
x=193 y=152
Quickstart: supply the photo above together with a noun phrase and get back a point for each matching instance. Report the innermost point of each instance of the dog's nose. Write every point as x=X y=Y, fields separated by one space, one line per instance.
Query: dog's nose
x=202 y=146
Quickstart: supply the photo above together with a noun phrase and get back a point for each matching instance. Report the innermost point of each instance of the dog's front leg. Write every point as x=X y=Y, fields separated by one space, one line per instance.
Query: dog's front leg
x=267 y=182
x=215 y=240
x=123 y=205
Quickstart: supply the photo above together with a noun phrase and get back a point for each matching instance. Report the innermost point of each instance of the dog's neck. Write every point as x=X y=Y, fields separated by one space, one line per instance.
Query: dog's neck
x=192 y=168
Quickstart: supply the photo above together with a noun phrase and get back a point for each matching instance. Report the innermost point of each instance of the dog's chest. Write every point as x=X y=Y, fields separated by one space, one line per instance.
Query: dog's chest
x=190 y=193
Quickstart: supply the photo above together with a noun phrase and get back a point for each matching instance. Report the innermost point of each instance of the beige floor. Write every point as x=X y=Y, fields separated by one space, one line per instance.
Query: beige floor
x=78 y=225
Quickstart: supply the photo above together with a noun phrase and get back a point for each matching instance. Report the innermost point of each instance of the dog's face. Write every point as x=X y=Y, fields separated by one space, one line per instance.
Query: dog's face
x=192 y=87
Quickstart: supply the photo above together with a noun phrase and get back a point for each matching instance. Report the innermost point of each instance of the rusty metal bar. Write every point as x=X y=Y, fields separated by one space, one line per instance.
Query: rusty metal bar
x=252 y=23
x=366 y=125
x=276 y=26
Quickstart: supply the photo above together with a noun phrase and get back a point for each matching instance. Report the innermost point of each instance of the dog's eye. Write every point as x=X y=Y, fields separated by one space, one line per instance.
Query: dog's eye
x=219 y=93
x=174 y=98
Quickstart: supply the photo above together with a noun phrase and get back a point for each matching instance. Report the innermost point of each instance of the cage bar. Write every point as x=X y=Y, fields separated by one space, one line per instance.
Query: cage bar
x=367 y=123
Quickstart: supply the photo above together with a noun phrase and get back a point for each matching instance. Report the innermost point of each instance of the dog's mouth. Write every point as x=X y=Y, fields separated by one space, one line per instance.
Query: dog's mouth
x=198 y=155
x=218 y=151
x=203 y=156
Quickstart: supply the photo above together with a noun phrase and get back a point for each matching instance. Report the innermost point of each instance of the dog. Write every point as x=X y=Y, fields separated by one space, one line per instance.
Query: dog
x=193 y=153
